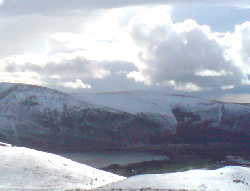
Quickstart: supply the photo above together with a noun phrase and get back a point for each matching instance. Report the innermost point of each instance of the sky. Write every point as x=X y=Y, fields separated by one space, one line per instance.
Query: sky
x=194 y=47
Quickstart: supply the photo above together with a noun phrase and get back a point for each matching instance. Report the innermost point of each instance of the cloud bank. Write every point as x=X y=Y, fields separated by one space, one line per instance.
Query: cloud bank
x=125 y=47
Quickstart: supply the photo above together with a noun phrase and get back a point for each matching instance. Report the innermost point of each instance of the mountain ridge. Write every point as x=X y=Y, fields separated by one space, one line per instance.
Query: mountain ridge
x=48 y=119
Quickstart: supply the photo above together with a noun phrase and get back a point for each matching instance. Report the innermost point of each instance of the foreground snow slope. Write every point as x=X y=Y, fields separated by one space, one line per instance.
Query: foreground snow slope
x=22 y=168
x=231 y=178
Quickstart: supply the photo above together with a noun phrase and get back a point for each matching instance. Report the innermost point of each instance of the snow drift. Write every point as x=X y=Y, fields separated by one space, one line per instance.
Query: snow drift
x=233 y=178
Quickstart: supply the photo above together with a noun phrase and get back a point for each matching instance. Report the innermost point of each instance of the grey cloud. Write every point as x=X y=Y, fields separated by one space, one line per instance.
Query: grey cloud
x=76 y=68
x=83 y=69
x=46 y=7
x=116 y=66
x=19 y=35
x=111 y=83
x=10 y=68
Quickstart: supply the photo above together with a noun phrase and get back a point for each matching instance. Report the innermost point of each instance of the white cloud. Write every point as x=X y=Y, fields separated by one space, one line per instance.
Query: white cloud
x=227 y=87
x=55 y=76
x=76 y=85
x=121 y=72
x=240 y=44
x=20 y=77
x=213 y=73
x=186 y=55
x=105 y=38
x=187 y=87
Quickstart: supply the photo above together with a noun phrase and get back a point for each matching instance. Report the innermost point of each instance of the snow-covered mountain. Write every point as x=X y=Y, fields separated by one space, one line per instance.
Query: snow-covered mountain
x=42 y=118
x=28 y=169
x=39 y=117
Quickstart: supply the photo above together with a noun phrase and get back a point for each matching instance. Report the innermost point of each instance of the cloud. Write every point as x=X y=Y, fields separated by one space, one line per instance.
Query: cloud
x=64 y=71
x=76 y=85
x=63 y=49
x=94 y=32
x=73 y=68
x=55 y=76
x=117 y=45
x=243 y=33
x=239 y=43
x=47 y=7
x=185 y=55
x=238 y=46
x=100 y=46
x=32 y=33
x=20 y=77
x=78 y=67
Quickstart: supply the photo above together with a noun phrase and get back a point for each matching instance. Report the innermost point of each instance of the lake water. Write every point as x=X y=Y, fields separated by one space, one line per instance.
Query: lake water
x=106 y=158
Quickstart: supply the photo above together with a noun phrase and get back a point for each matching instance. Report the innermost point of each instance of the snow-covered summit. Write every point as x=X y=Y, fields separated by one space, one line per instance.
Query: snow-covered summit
x=27 y=169
x=31 y=95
